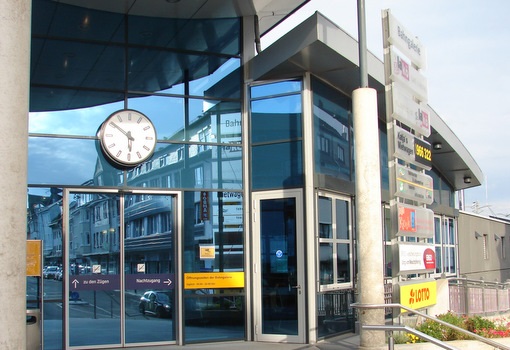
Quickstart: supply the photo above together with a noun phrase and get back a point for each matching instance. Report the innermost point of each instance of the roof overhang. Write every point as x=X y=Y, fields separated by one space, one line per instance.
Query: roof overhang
x=270 y=12
x=320 y=47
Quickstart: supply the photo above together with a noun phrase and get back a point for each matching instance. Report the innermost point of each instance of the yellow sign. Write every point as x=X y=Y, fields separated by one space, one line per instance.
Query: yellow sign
x=418 y=295
x=207 y=252
x=214 y=280
x=34 y=258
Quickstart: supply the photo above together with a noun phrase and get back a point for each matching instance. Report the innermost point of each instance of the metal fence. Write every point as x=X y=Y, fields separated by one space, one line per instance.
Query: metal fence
x=477 y=297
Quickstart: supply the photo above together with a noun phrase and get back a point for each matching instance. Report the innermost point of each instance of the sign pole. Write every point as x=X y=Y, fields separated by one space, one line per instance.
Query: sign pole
x=368 y=198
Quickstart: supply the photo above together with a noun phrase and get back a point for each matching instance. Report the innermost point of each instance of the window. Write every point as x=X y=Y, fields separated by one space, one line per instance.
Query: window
x=335 y=242
x=503 y=254
x=276 y=131
x=445 y=241
x=485 y=247
x=332 y=131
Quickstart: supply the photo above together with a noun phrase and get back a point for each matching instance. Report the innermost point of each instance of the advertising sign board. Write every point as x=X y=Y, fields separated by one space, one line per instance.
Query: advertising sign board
x=406 y=42
x=34 y=258
x=414 y=185
x=404 y=73
x=416 y=258
x=414 y=114
x=201 y=280
x=415 y=221
x=418 y=295
x=412 y=149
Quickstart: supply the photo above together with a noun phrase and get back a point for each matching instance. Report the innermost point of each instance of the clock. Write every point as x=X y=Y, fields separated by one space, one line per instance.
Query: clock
x=127 y=137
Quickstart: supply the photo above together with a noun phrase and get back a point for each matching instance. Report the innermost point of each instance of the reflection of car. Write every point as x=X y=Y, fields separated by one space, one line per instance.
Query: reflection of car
x=59 y=275
x=51 y=271
x=155 y=303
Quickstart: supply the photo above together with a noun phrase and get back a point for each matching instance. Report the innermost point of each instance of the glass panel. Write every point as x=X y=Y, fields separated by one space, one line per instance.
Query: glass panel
x=167 y=114
x=71 y=162
x=76 y=60
x=342 y=219
x=213 y=223
x=282 y=87
x=326 y=273
x=153 y=70
x=276 y=119
x=383 y=149
x=186 y=34
x=388 y=257
x=332 y=131
x=334 y=313
x=439 y=267
x=44 y=222
x=149 y=267
x=94 y=269
x=80 y=122
x=214 y=314
x=226 y=128
x=279 y=266
x=325 y=210
x=277 y=166
x=174 y=165
x=437 y=230
x=61 y=20
x=343 y=263
x=451 y=231
x=224 y=82
x=220 y=122
x=44 y=99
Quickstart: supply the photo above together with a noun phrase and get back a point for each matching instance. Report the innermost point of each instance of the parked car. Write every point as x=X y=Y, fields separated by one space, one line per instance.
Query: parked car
x=156 y=303
x=51 y=271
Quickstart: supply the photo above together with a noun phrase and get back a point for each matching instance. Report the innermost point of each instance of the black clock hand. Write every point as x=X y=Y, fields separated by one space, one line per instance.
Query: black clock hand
x=128 y=134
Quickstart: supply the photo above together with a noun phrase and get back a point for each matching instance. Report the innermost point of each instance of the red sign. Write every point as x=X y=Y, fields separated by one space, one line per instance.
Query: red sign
x=429 y=259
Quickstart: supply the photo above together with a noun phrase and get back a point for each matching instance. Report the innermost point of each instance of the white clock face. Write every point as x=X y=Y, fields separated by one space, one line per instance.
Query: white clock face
x=128 y=137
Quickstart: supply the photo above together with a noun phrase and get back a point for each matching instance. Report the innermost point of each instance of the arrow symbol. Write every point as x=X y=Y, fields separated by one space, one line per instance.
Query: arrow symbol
x=168 y=282
x=75 y=282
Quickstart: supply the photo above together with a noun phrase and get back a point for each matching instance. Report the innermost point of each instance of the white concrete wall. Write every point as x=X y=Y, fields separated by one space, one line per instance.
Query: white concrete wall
x=15 y=24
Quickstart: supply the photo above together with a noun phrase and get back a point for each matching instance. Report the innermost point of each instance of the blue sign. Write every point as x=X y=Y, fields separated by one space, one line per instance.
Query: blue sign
x=94 y=282
x=150 y=281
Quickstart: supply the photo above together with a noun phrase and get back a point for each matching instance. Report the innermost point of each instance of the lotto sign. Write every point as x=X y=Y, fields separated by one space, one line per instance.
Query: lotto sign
x=419 y=295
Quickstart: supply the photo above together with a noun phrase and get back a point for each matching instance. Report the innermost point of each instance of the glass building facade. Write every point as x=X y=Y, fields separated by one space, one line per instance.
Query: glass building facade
x=241 y=224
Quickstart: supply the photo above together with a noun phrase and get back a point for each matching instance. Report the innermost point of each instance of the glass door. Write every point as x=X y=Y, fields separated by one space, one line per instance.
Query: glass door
x=278 y=270
x=149 y=263
x=120 y=260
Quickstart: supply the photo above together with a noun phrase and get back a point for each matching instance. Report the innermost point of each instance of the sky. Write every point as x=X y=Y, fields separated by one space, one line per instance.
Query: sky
x=468 y=74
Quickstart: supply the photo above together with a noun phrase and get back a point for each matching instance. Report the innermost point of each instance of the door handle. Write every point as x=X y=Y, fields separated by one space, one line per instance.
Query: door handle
x=297 y=287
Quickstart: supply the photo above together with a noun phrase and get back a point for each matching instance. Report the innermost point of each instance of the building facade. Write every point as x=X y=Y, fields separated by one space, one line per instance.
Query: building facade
x=240 y=225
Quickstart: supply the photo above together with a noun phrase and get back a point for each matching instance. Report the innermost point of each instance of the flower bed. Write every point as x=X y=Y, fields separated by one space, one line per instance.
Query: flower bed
x=487 y=328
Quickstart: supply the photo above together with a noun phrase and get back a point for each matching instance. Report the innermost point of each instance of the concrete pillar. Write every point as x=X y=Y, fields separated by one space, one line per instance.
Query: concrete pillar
x=15 y=23
x=368 y=214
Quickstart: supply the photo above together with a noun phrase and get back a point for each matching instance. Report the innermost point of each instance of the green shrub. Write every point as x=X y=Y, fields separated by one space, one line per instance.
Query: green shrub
x=476 y=323
x=444 y=333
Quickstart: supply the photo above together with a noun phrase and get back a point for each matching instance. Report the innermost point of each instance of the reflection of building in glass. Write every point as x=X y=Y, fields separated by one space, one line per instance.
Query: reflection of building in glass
x=44 y=222
x=252 y=179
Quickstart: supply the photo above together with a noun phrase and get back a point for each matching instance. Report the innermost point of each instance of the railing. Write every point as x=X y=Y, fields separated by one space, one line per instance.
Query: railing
x=392 y=328
x=478 y=297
